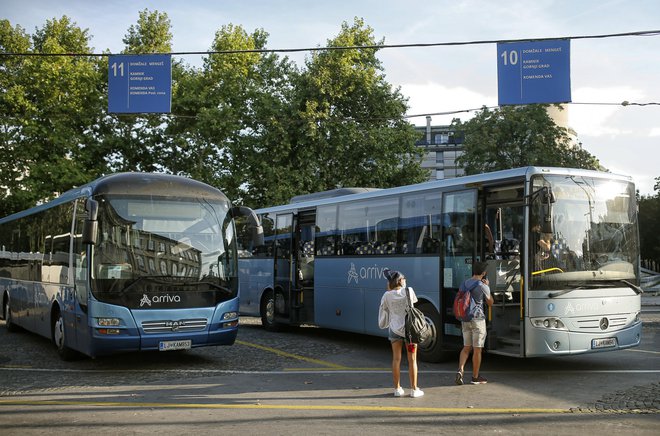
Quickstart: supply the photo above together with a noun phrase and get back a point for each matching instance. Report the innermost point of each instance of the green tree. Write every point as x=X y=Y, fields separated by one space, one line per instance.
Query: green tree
x=13 y=104
x=228 y=112
x=649 y=225
x=517 y=136
x=137 y=142
x=351 y=130
x=53 y=104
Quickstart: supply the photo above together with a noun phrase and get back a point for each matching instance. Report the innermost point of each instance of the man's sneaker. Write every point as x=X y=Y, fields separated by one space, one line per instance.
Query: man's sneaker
x=398 y=392
x=417 y=392
x=479 y=380
x=459 y=378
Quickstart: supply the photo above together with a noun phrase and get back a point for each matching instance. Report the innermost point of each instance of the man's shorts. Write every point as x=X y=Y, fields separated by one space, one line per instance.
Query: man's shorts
x=393 y=337
x=474 y=333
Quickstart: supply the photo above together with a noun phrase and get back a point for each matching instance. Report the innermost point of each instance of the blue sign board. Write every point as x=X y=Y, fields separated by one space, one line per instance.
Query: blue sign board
x=140 y=84
x=534 y=72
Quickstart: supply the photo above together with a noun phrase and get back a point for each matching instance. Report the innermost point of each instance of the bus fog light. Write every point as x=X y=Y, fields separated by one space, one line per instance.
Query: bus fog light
x=230 y=315
x=108 y=331
x=556 y=345
x=108 y=322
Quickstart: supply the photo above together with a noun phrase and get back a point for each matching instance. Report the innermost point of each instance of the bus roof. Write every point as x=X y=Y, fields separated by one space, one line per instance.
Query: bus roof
x=130 y=183
x=476 y=180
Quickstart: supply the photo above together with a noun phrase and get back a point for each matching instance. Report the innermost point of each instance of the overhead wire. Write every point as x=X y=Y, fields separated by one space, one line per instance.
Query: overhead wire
x=352 y=47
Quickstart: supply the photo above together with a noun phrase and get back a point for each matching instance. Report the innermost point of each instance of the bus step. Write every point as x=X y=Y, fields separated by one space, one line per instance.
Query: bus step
x=508 y=341
x=514 y=327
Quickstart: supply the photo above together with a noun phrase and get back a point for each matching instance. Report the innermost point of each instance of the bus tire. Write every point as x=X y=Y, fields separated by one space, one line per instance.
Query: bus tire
x=431 y=350
x=267 y=311
x=6 y=312
x=58 y=337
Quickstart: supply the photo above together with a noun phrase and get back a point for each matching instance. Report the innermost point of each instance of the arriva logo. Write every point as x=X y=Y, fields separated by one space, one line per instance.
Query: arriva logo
x=365 y=272
x=145 y=300
x=167 y=298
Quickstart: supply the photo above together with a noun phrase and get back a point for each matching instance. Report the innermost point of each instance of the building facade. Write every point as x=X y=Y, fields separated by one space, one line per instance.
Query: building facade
x=442 y=147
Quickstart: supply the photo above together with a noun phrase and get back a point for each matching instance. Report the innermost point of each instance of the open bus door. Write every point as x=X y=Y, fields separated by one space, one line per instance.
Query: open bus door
x=284 y=267
x=303 y=294
x=502 y=242
x=294 y=267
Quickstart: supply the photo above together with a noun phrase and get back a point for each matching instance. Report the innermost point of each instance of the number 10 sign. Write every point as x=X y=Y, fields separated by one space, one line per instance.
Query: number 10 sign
x=534 y=72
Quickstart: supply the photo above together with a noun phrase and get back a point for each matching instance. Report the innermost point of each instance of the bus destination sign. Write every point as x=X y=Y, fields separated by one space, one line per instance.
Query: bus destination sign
x=534 y=72
x=139 y=84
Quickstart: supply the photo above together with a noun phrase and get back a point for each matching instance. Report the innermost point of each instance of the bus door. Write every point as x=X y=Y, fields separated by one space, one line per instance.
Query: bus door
x=501 y=244
x=303 y=288
x=459 y=214
x=284 y=266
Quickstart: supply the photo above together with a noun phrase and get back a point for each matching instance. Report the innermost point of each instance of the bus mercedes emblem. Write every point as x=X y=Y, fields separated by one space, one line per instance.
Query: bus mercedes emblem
x=604 y=324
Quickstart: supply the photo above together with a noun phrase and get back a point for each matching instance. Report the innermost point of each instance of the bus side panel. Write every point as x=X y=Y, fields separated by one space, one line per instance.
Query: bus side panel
x=44 y=296
x=254 y=275
x=19 y=303
x=348 y=290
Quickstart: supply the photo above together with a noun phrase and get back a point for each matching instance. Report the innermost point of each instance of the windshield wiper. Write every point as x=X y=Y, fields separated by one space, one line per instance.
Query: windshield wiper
x=635 y=288
x=211 y=284
x=632 y=286
x=154 y=278
x=565 y=291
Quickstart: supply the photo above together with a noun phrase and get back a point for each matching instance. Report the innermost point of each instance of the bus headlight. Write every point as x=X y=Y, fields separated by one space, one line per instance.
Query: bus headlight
x=551 y=323
x=230 y=315
x=108 y=322
x=233 y=319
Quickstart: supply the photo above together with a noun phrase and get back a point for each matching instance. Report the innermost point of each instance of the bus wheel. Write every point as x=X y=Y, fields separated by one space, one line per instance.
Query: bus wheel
x=268 y=312
x=9 y=322
x=431 y=350
x=59 y=340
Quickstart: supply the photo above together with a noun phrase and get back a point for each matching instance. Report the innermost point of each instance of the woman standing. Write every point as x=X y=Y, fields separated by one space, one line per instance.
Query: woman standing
x=392 y=316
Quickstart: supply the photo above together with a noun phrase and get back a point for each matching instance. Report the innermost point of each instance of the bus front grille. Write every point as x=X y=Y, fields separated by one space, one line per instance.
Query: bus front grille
x=182 y=325
x=602 y=323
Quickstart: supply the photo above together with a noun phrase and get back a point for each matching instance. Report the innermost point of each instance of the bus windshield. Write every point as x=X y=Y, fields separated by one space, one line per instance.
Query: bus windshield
x=583 y=233
x=164 y=252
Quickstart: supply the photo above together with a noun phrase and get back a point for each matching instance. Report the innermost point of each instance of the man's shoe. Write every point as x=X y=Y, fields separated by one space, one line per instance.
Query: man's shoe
x=479 y=380
x=459 y=378
x=398 y=392
x=417 y=392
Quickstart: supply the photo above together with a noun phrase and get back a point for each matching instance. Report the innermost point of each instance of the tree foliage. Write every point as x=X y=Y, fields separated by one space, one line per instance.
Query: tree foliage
x=649 y=225
x=517 y=136
x=252 y=124
x=49 y=109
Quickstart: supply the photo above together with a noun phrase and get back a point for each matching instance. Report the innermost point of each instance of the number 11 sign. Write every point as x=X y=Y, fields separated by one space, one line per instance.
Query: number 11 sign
x=139 y=83
x=534 y=72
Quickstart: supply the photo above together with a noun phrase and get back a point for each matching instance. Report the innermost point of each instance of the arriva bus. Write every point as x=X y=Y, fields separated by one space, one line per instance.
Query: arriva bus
x=561 y=245
x=127 y=262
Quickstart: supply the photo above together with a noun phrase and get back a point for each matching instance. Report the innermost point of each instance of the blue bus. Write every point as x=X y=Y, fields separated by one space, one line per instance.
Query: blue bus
x=561 y=246
x=128 y=262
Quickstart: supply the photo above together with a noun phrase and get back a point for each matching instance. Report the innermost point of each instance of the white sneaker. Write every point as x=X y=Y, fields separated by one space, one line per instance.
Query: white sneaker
x=417 y=393
x=398 y=392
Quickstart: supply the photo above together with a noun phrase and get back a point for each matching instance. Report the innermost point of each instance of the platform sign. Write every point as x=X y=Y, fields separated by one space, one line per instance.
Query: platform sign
x=140 y=84
x=534 y=72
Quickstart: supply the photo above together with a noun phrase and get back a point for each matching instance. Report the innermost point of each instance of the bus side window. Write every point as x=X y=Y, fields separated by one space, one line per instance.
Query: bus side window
x=326 y=231
x=80 y=256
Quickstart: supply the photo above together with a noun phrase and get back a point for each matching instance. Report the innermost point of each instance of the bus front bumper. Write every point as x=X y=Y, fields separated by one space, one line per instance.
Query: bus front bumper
x=546 y=342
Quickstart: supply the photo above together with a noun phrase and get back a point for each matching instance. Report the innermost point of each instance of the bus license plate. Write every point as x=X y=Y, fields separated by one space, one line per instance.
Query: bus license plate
x=174 y=345
x=603 y=343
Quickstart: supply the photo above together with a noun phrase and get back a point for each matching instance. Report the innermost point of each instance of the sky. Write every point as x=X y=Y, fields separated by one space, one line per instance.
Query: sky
x=626 y=140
